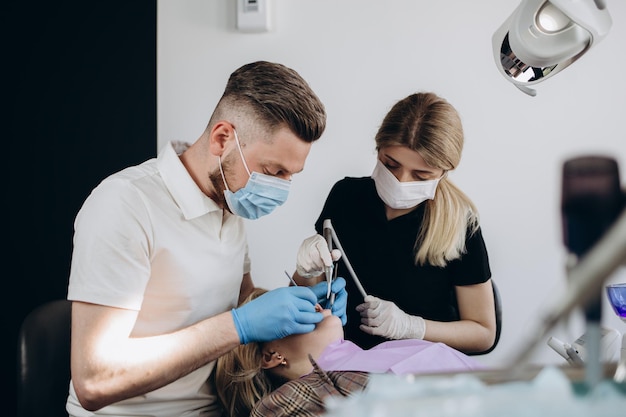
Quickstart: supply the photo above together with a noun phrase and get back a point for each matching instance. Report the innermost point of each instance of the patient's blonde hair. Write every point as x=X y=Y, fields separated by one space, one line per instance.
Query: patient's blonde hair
x=429 y=125
x=239 y=378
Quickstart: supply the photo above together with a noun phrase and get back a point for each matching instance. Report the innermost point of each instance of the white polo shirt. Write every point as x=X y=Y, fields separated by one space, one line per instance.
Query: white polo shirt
x=148 y=239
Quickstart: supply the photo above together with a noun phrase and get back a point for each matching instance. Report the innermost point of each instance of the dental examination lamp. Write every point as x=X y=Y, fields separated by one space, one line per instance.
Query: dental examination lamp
x=541 y=38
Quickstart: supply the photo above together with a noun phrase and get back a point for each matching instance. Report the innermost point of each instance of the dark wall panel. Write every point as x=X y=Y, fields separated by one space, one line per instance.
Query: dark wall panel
x=79 y=93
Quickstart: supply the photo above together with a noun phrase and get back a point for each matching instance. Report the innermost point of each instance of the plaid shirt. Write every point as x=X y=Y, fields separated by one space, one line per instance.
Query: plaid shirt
x=304 y=397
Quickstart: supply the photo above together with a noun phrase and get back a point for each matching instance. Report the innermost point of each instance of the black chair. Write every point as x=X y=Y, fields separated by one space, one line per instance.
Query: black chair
x=498 y=304
x=43 y=361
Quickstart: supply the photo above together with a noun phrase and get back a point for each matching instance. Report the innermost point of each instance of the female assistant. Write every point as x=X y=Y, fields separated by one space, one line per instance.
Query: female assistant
x=412 y=237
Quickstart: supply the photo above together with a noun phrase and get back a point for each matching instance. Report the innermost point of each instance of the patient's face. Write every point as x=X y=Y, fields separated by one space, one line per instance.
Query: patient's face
x=327 y=331
x=297 y=347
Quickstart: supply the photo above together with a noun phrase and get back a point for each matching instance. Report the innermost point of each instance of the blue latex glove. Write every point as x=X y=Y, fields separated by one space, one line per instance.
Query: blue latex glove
x=276 y=314
x=338 y=287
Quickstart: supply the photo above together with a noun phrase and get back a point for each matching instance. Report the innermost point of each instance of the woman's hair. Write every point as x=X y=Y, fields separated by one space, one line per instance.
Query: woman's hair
x=239 y=378
x=428 y=124
x=270 y=95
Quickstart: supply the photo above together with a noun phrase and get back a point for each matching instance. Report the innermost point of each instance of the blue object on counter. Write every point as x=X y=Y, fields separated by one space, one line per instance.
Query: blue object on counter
x=617 y=297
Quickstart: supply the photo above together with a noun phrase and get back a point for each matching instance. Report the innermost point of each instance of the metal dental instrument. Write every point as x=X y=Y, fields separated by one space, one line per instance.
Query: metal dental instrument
x=328 y=270
x=295 y=284
x=328 y=226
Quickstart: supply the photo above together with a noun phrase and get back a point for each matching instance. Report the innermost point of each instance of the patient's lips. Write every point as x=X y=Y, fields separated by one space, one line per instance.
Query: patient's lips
x=325 y=311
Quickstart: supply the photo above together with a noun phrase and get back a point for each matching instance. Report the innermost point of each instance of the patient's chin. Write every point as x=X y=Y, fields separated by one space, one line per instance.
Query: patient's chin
x=331 y=325
x=330 y=320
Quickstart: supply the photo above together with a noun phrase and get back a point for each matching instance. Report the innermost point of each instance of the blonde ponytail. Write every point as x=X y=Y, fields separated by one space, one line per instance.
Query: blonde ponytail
x=448 y=219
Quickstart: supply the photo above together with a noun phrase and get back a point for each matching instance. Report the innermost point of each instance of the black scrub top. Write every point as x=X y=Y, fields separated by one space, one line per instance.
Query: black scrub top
x=382 y=254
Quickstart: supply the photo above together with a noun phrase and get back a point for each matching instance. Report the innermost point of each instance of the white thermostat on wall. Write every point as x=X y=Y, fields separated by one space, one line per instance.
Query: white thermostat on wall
x=253 y=15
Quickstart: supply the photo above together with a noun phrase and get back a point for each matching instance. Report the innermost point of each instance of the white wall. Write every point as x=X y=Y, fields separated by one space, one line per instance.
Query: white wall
x=361 y=57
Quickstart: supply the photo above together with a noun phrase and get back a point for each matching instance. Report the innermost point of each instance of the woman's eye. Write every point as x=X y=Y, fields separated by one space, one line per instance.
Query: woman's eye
x=422 y=177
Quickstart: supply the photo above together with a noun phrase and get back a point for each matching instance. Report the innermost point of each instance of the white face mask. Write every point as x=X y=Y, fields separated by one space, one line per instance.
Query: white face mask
x=401 y=195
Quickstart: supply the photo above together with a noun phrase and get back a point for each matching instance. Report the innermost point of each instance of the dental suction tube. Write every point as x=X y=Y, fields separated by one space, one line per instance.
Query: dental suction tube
x=327 y=225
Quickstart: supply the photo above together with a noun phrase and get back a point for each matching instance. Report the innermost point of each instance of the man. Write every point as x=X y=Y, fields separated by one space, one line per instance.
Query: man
x=160 y=255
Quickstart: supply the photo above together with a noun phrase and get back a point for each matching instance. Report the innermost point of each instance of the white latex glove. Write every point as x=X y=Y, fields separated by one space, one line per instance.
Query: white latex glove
x=314 y=256
x=384 y=318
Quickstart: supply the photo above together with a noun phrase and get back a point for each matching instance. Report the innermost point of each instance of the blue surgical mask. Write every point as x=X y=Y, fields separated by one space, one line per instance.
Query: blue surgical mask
x=261 y=194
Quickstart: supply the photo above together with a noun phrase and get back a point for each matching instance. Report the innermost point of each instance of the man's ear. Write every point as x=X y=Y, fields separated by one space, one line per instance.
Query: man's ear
x=271 y=359
x=219 y=136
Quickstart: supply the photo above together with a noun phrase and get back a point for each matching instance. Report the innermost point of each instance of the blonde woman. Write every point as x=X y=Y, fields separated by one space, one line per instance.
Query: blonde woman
x=292 y=376
x=412 y=237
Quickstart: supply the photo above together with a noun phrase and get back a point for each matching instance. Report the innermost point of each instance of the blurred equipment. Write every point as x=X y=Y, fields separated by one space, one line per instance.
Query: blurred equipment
x=576 y=353
x=591 y=200
x=617 y=298
x=594 y=233
x=610 y=343
x=541 y=38
x=566 y=351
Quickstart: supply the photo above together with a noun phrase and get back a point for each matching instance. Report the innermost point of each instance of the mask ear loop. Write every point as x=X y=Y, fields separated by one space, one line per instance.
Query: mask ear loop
x=219 y=159
x=242 y=159
x=240 y=151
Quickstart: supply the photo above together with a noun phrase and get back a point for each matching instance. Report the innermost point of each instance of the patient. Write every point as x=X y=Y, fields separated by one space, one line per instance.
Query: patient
x=293 y=375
